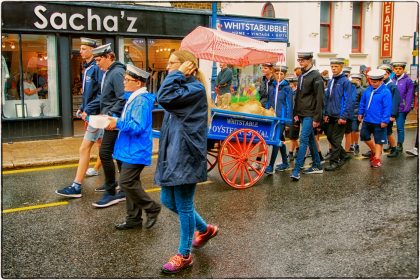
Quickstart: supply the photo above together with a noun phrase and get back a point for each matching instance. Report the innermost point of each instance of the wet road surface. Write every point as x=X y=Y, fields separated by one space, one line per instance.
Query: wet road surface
x=355 y=222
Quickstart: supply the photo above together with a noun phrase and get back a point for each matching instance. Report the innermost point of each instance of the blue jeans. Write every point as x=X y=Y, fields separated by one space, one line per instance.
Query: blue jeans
x=306 y=139
x=282 y=148
x=400 y=126
x=180 y=199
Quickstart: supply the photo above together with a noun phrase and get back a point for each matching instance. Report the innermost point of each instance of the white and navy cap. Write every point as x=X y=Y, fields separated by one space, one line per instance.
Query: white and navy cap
x=386 y=67
x=268 y=64
x=376 y=74
x=88 y=42
x=137 y=73
x=337 y=60
x=347 y=69
x=291 y=79
x=305 y=55
x=399 y=64
x=282 y=68
x=356 y=76
x=102 y=50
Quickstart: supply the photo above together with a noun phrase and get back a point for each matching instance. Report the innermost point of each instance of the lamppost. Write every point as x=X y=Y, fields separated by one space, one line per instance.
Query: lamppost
x=214 y=69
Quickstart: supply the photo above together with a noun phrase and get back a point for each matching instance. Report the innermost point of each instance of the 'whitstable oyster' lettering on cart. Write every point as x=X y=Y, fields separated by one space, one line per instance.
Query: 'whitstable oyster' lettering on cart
x=77 y=21
x=224 y=130
x=242 y=122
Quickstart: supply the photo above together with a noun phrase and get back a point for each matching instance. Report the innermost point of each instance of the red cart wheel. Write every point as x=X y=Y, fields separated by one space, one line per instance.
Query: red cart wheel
x=238 y=157
x=211 y=159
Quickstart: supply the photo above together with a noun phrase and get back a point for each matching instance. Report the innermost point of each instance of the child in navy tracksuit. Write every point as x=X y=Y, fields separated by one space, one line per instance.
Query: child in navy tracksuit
x=375 y=110
x=281 y=100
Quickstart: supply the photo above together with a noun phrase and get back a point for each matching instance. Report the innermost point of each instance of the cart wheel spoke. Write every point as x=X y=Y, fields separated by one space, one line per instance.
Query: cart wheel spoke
x=211 y=160
x=237 y=154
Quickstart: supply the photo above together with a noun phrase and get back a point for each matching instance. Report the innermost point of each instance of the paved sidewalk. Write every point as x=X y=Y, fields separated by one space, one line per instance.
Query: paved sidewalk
x=66 y=150
x=46 y=152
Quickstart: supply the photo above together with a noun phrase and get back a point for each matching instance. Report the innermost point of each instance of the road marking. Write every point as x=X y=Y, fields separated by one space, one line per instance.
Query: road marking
x=62 y=203
x=12 y=210
x=156 y=189
x=33 y=169
x=41 y=168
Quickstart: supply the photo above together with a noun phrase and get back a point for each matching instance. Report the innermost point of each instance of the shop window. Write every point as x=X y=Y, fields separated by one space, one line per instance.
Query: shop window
x=268 y=11
x=32 y=90
x=357 y=27
x=325 y=28
x=159 y=51
x=134 y=51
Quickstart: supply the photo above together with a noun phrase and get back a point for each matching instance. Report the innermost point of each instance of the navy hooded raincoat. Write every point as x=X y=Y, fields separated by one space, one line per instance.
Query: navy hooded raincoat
x=182 y=157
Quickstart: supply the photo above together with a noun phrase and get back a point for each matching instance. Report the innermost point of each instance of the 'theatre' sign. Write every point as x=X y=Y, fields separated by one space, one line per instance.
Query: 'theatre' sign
x=387 y=29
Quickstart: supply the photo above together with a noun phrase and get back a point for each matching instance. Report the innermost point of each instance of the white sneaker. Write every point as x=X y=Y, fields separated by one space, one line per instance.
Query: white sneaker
x=92 y=172
x=413 y=152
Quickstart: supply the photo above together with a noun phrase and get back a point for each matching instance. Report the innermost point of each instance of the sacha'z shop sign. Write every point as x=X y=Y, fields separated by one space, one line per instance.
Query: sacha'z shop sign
x=106 y=18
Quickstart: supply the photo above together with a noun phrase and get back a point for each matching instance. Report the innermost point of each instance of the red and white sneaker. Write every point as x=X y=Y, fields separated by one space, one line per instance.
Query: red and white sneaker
x=375 y=163
x=177 y=263
x=200 y=239
x=372 y=157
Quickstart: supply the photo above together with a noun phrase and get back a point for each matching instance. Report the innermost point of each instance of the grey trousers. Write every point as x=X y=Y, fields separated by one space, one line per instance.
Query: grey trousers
x=136 y=197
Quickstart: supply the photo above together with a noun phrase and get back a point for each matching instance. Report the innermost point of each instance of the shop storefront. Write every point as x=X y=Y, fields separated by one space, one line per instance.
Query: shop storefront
x=41 y=65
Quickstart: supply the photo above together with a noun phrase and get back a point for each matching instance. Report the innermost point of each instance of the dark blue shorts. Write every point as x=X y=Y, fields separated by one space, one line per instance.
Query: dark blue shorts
x=379 y=134
x=355 y=124
x=389 y=128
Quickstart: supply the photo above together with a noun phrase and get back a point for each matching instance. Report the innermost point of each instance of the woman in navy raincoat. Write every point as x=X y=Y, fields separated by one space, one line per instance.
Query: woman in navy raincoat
x=182 y=159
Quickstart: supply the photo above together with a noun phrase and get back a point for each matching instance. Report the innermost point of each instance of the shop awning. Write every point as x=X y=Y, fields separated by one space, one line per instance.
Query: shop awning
x=220 y=46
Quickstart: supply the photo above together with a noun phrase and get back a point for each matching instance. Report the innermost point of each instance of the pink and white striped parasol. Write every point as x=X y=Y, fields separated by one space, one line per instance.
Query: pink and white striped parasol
x=220 y=46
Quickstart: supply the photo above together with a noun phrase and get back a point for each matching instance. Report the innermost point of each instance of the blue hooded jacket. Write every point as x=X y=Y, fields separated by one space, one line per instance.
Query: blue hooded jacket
x=339 y=103
x=182 y=155
x=134 y=143
x=92 y=78
x=379 y=110
x=284 y=106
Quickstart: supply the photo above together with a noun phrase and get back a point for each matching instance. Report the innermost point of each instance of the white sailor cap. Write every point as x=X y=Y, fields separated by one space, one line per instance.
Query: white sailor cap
x=291 y=79
x=88 y=42
x=399 y=64
x=305 y=55
x=268 y=64
x=376 y=74
x=356 y=76
x=102 y=50
x=347 y=69
x=137 y=73
x=282 y=68
x=337 y=60
x=386 y=67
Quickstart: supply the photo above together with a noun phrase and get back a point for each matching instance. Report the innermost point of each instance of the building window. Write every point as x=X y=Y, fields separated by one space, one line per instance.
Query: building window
x=325 y=28
x=357 y=25
x=30 y=91
x=268 y=11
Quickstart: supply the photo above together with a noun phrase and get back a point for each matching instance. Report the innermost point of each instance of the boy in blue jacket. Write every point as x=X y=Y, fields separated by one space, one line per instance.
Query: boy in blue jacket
x=375 y=110
x=339 y=108
x=281 y=100
x=133 y=148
